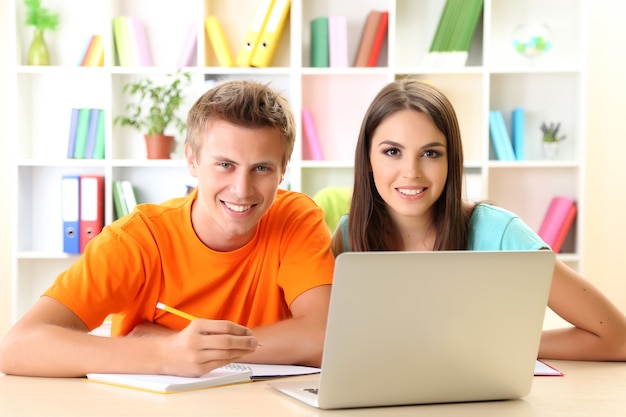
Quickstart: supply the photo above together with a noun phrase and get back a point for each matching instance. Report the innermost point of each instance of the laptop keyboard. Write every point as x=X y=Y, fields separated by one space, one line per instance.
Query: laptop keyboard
x=314 y=391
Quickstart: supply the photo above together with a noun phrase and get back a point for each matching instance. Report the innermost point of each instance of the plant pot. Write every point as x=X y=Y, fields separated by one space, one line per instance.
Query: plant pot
x=159 y=146
x=551 y=150
x=38 y=50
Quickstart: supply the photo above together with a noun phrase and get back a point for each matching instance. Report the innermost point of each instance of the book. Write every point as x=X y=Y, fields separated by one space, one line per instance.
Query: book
x=251 y=41
x=455 y=30
x=379 y=39
x=130 y=198
x=93 y=54
x=271 y=34
x=122 y=41
x=218 y=41
x=98 y=150
x=543 y=369
x=313 y=150
x=320 y=55
x=368 y=34
x=517 y=133
x=229 y=374
x=557 y=222
x=82 y=130
x=338 y=41
x=71 y=142
x=138 y=40
x=187 y=55
x=500 y=137
x=90 y=142
x=119 y=204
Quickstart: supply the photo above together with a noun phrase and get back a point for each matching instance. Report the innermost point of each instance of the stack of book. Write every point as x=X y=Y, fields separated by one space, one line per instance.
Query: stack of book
x=86 y=137
x=93 y=54
x=131 y=42
x=372 y=39
x=124 y=198
x=507 y=147
x=455 y=31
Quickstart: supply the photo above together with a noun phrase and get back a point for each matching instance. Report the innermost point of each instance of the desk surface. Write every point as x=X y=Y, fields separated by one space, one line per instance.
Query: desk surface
x=587 y=389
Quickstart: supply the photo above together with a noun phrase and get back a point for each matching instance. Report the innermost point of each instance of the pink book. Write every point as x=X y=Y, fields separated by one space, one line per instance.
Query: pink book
x=557 y=222
x=314 y=150
x=381 y=34
x=338 y=41
x=138 y=42
x=187 y=55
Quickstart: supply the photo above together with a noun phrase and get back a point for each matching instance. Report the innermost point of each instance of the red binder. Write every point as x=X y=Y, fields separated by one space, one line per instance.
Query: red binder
x=557 y=222
x=91 y=208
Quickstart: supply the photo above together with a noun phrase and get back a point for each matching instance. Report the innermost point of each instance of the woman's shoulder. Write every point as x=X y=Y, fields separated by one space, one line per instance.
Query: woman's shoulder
x=488 y=211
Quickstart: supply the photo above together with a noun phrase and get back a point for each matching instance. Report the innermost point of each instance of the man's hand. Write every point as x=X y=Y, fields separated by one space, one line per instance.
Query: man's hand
x=200 y=347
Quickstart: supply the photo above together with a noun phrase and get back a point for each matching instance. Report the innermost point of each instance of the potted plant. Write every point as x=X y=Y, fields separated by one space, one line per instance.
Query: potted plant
x=153 y=109
x=41 y=19
x=551 y=139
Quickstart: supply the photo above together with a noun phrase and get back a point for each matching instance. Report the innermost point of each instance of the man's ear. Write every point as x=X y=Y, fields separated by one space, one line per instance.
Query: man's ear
x=192 y=164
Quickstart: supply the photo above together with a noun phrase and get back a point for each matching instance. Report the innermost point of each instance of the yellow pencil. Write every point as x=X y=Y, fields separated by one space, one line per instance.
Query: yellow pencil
x=174 y=311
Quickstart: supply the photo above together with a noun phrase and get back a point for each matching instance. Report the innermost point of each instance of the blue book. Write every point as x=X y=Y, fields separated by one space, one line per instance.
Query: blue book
x=500 y=136
x=72 y=136
x=517 y=128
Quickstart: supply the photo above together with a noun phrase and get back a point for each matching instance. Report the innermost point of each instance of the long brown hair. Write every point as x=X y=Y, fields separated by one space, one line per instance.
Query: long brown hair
x=370 y=223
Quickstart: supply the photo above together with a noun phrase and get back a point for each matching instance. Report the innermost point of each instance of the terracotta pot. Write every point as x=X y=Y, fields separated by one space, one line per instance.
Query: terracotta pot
x=159 y=146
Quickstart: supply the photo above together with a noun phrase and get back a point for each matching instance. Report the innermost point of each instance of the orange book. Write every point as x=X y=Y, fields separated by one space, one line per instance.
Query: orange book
x=367 y=38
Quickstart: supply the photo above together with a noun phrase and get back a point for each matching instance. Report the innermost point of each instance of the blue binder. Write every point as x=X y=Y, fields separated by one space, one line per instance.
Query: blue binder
x=70 y=195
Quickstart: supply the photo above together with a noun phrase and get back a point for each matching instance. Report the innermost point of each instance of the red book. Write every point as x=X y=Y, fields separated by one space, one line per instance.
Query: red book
x=91 y=220
x=557 y=222
x=381 y=34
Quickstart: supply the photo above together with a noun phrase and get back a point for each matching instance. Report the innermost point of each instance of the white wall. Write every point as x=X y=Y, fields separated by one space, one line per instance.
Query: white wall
x=605 y=189
x=605 y=224
x=5 y=169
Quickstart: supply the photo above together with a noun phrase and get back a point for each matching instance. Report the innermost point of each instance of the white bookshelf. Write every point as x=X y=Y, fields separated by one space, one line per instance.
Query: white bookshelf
x=551 y=90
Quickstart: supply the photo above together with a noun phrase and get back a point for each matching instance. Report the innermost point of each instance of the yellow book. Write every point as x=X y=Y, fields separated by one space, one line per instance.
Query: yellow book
x=244 y=58
x=96 y=57
x=268 y=41
x=218 y=41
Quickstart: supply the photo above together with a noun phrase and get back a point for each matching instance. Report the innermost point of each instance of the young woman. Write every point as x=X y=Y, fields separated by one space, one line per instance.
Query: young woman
x=407 y=196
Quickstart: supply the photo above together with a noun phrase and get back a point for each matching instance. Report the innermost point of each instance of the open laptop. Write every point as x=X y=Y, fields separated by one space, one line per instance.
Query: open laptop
x=430 y=327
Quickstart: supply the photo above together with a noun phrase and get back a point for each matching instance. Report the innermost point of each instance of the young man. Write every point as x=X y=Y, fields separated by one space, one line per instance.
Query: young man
x=252 y=262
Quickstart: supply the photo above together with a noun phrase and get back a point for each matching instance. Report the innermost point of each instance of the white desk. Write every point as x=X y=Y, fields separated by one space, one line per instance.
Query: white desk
x=595 y=389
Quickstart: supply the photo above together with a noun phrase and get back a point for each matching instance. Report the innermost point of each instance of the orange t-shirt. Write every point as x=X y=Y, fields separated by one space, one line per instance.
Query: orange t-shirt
x=154 y=255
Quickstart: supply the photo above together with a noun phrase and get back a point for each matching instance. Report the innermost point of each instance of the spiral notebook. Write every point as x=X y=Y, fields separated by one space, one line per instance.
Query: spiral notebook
x=230 y=374
x=430 y=327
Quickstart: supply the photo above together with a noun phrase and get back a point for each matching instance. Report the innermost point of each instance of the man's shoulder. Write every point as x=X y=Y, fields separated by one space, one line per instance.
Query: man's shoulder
x=288 y=198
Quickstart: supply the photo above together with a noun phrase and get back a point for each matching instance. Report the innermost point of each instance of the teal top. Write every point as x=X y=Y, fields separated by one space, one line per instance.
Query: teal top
x=490 y=228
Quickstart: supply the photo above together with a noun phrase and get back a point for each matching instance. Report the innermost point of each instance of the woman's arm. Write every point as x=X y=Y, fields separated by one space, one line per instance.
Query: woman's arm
x=599 y=327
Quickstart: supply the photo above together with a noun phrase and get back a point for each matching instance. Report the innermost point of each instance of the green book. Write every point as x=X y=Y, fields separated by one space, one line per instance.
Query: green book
x=98 y=150
x=82 y=129
x=118 y=200
x=320 y=56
